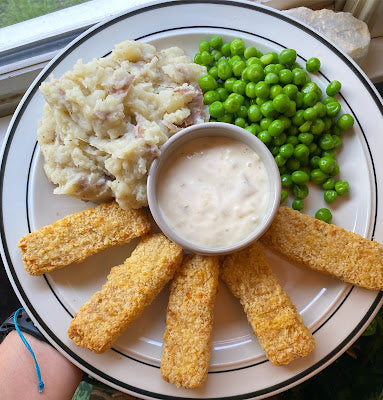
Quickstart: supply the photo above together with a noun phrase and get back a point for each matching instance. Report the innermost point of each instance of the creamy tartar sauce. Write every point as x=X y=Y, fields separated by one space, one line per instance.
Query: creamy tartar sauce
x=213 y=191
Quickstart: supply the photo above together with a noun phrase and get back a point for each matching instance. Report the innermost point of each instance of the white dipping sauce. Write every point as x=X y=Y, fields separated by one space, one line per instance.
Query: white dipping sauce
x=213 y=191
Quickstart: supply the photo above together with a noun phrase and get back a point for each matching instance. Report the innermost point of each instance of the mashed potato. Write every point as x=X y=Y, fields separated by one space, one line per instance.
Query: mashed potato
x=105 y=121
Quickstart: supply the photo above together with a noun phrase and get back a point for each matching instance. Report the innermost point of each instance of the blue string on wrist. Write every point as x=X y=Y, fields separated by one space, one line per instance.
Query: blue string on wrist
x=41 y=383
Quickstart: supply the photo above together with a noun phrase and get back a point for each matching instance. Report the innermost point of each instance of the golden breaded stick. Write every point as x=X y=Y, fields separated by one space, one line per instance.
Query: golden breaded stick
x=77 y=236
x=275 y=321
x=129 y=289
x=189 y=321
x=326 y=248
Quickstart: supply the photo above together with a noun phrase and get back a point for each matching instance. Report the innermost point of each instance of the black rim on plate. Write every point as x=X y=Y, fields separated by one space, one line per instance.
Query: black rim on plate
x=23 y=297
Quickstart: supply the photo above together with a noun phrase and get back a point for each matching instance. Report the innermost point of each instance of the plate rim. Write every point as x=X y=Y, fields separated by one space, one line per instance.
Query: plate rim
x=12 y=129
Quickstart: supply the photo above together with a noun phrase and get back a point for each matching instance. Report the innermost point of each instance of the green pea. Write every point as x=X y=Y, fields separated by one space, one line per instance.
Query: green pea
x=310 y=87
x=239 y=87
x=216 y=42
x=310 y=114
x=286 y=181
x=300 y=191
x=299 y=76
x=288 y=56
x=268 y=109
x=330 y=196
x=345 y=122
x=298 y=118
x=222 y=93
x=284 y=196
x=204 y=46
x=299 y=99
x=326 y=142
x=335 y=171
x=239 y=121
x=314 y=162
x=332 y=108
x=237 y=47
x=232 y=104
x=292 y=140
x=224 y=69
x=275 y=90
x=238 y=67
x=300 y=177
x=254 y=113
x=286 y=150
x=291 y=90
x=206 y=58
x=265 y=123
x=207 y=82
x=227 y=117
x=305 y=127
x=265 y=137
x=313 y=148
x=280 y=160
x=318 y=176
x=329 y=99
x=281 y=103
x=305 y=138
x=286 y=121
x=255 y=73
x=301 y=152
x=329 y=184
x=276 y=128
x=250 y=90
x=333 y=88
x=297 y=204
x=213 y=71
x=329 y=153
x=313 y=64
x=293 y=164
x=280 y=140
x=285 y=76
x=320 y=108
x=229 y=83
x=309 y=99
x=225 y=48
x=271 y=78
x=216 y=109
x=197 y=59
x=324 y=214
x=210 y=97
x=293 y=131
x=317 y=127
x=267 y=58
x=242 y=112
x=327 y=164
x=254 y=60
x=337 y=141
x=262 y=90
x=253 y=128
x=342 y=187
x=271 y=68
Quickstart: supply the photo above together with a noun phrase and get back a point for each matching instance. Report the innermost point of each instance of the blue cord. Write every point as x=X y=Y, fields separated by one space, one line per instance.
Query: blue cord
x=41 y=384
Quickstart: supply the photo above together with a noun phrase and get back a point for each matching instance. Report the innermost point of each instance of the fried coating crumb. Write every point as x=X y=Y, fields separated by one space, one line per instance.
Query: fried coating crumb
x=77 y=236
x=326 y=248
x=275 y=321
x=189 y=322
x=130 y=288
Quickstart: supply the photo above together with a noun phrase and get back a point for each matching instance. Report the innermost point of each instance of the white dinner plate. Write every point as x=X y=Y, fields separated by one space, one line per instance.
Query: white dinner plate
x=336 y=312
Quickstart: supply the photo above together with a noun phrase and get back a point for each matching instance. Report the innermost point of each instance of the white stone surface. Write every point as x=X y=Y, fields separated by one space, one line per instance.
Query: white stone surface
x=346 y=31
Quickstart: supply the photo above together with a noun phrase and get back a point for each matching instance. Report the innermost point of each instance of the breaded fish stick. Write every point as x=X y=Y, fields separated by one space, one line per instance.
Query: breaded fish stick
x=275 y=321
x=77 y=236
x=326 y=248
x=189 y=321
x=129 y=289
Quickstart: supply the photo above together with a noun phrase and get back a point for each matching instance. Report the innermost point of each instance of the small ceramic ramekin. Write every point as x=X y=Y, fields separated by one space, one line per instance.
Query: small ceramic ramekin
x=214 y=129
